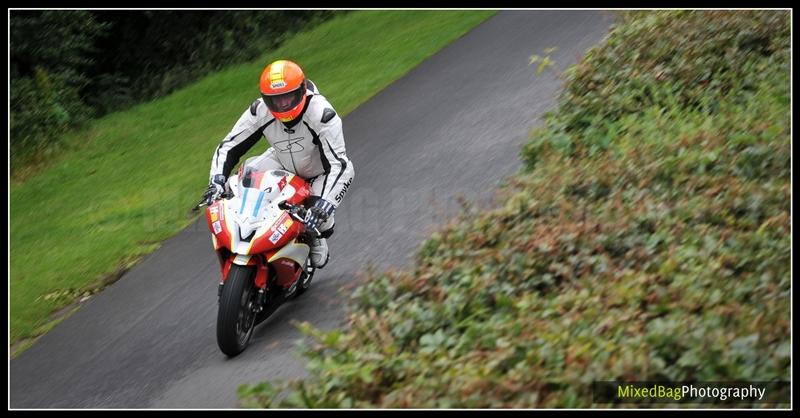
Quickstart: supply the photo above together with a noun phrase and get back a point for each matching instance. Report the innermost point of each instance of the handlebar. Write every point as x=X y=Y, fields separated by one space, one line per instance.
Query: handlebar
x=297 y=213
x=203 y=201
x=199 y=205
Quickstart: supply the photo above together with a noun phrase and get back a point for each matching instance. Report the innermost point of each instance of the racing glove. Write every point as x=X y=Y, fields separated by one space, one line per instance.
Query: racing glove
x=318 y=214
x=215 y=189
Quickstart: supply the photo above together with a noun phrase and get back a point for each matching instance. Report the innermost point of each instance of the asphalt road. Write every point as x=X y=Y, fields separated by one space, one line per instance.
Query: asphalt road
x=450 y=128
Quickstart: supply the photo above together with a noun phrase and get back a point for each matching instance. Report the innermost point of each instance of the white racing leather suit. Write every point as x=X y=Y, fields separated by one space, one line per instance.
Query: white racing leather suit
x=311 y=146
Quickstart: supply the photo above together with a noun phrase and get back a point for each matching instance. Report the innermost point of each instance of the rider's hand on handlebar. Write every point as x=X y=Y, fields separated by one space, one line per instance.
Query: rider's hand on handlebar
x=318 y=214
x=215 y=189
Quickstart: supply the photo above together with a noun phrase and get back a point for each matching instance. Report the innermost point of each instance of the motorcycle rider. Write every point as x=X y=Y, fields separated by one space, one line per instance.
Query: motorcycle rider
x=305 y=137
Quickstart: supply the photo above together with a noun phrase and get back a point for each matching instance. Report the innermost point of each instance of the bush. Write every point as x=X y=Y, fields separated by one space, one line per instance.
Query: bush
x=668 y=60
x=662 y=254
x=49 y=52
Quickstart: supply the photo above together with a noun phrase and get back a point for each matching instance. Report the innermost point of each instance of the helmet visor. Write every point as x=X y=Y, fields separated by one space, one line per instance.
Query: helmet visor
x=284 y=102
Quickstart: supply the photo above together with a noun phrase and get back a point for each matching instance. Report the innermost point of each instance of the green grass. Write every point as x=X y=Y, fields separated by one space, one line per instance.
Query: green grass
x=647 y=239
x=127 y=181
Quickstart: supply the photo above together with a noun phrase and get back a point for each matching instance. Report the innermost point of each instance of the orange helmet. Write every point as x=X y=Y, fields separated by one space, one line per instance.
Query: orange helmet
x=283 y=87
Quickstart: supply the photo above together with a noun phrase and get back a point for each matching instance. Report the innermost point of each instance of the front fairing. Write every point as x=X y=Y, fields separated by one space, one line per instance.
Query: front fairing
x=251 y=222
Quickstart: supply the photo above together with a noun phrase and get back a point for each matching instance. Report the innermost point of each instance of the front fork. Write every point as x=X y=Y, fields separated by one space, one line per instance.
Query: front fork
x=261 y=296
x=226 y=260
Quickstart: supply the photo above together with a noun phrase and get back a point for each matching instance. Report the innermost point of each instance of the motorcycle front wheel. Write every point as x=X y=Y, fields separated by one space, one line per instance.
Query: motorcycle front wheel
x=236 y=316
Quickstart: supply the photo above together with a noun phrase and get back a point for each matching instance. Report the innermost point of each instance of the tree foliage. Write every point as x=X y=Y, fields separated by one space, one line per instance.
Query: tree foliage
x=68 y=66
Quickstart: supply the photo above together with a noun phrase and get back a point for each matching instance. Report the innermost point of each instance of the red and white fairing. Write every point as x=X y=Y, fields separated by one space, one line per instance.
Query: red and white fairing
x=250 y=228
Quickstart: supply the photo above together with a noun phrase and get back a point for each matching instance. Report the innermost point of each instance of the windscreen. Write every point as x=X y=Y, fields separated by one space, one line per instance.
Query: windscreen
x=257 y=190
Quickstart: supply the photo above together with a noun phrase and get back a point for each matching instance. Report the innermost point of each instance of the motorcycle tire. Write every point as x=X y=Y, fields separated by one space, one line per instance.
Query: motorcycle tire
x=235 y=317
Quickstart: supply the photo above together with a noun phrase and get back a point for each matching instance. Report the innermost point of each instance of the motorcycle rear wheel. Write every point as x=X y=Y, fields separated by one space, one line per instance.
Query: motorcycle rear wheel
x=236 y=316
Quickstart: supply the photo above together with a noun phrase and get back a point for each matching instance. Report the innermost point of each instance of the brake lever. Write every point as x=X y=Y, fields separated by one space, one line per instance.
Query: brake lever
x=294 y=212
x=203 y=202
x=294 y=215
x=199 y=205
